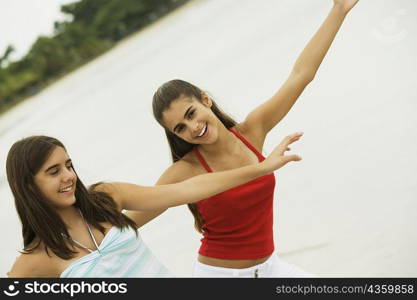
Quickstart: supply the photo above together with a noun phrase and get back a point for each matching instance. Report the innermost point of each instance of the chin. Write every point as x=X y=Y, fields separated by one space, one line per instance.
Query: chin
x=212 y=139
x=73 y=200
x=68 y=201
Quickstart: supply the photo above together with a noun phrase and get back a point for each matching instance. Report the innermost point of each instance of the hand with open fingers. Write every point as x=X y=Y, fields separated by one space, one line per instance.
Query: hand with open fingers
x=277 y=158
x=346 y=5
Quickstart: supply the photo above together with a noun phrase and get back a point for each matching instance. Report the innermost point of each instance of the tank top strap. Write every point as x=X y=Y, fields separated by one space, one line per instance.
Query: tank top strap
x=249 y=145
x=201 y=160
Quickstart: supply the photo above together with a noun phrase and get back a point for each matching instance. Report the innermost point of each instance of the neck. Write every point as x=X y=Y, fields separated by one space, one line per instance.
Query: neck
x=70 y=216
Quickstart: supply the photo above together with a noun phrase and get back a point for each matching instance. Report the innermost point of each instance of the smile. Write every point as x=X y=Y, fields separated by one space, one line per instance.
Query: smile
x=66 y=189
x=203 y=131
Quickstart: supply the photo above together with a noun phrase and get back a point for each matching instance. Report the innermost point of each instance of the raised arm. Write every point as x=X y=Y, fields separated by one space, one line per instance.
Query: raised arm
x=133 y=197
x=266 y=116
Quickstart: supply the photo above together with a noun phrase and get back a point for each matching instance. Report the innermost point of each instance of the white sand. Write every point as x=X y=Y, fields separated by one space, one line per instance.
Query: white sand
x=348 y=209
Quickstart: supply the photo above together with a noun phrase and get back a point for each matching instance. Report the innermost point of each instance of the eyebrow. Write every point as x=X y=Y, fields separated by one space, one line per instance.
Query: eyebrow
x=56 y=165
x=185 y=115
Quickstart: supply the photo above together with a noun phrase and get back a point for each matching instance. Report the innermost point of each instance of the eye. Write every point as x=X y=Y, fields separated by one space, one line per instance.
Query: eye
x=54 y=172
x=180 y=128
x=70 y=166
x=191 y=114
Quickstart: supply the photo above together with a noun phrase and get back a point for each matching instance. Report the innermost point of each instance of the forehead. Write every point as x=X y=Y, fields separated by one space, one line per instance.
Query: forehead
x=175 y=113
x=58 y=156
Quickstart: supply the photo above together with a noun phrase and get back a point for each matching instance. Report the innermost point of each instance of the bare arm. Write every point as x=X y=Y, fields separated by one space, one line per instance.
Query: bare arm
x=143 y=217
x=135 y=197
x=266 y=116
x=177 y=172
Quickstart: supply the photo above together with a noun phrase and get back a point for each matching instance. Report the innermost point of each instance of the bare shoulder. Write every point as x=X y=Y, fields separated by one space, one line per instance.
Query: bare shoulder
x=252 y=135
x=34 y=264
x=104 y=187
x=181 y=170
x=111 y=189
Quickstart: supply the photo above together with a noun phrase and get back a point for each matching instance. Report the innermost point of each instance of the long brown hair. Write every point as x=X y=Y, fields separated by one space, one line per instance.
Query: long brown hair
x=40 y=222
x=162 y=99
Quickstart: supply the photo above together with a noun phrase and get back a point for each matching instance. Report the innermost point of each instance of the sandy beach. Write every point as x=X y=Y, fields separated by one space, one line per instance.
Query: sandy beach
x=348 y=209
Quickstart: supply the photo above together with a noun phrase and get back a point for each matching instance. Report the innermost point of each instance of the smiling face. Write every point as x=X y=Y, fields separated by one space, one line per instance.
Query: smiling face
x=56 y=179
x=192 y=120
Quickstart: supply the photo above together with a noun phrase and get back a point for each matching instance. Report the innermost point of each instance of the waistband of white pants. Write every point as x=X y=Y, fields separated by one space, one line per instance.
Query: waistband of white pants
x=236 y=272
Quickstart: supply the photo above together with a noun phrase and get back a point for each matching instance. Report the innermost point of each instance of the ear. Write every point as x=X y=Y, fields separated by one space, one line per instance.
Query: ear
x=206 y=100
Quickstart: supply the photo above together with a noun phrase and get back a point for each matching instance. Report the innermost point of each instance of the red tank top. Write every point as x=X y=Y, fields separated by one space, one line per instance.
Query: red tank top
x=238 y=222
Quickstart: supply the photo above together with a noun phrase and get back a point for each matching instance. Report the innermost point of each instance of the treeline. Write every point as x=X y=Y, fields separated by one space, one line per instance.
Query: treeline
x=95 y=26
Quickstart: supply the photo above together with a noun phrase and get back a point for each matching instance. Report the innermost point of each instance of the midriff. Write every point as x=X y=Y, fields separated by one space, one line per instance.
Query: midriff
x=231 y=263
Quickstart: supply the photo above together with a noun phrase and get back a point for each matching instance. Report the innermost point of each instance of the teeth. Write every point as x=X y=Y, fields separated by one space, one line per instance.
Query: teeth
x=202 y=131
x=67 y=189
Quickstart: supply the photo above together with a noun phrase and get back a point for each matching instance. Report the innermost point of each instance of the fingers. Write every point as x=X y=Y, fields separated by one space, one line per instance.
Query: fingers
x=288 y=158
x=283 y=146
x=293 y=137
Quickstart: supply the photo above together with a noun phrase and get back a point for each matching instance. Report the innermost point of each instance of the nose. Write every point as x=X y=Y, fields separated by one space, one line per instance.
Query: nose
x=195 y=128
x=68 y=175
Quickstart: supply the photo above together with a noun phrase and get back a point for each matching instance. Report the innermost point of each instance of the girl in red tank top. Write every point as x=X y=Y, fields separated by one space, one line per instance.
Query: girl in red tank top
x=251 y=202
x=237 y=225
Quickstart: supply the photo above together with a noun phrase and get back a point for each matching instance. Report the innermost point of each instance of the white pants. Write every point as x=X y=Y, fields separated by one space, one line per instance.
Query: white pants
x=273 y=267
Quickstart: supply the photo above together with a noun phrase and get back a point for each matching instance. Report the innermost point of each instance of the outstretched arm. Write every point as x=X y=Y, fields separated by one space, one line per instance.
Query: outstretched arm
x=266 y=116
x=133 y=197
x=142 y=217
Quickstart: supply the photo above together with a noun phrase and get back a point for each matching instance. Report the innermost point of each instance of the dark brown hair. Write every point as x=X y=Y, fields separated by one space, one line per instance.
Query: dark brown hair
x=162 y=99
x=40 y=222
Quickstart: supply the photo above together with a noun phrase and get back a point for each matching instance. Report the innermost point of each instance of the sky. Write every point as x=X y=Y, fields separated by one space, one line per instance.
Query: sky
x=22 y=21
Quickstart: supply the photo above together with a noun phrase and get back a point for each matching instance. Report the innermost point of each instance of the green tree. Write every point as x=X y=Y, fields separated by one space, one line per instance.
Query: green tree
x=5 y=58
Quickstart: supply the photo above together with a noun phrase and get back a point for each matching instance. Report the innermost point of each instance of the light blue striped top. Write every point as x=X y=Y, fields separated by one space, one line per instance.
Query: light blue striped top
x=122 y=254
